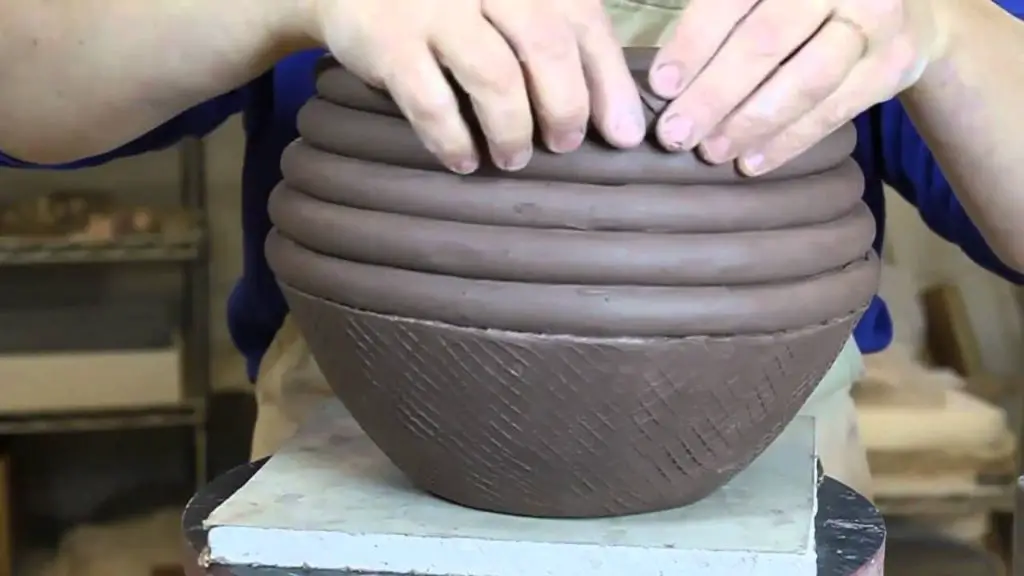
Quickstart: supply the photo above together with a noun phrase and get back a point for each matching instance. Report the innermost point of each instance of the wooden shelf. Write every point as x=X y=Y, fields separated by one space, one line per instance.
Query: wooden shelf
x=137 y=248
x=189 y=414
x=986 y=498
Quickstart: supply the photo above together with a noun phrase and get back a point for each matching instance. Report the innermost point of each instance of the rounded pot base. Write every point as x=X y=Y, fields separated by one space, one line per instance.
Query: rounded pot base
x=564 y=426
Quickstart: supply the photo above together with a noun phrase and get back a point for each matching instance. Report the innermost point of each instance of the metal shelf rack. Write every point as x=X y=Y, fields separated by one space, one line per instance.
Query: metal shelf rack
x=189 y=251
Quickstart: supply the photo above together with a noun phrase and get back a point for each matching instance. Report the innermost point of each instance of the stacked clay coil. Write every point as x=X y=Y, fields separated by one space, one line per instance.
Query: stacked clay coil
x=604 y=332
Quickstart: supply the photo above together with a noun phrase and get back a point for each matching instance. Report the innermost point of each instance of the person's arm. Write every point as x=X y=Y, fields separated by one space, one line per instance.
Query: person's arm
x=84 y=77
x=197 y=122
x=967 y=108
x=907 y=164
x=81 y=77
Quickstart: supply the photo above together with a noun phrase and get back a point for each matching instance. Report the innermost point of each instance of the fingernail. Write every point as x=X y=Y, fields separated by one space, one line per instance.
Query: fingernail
x=717 y=149
x=517 y=161
x=753 y=164
x=637 y=123
x=675 y=132
x=667 y=79
x=566 y=141
x=629 y=127
x=465 y=166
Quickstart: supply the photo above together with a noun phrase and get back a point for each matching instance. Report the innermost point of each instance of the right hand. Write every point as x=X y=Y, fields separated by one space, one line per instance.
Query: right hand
x=560 y=56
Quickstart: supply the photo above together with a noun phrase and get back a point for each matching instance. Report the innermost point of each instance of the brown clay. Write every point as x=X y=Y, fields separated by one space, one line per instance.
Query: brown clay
x=604 y=332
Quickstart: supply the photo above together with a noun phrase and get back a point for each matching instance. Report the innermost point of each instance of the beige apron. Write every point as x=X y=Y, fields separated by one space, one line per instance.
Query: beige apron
x=290 y=383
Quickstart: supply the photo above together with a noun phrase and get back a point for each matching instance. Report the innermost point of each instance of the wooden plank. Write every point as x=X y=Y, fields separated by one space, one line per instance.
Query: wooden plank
x=951 y=339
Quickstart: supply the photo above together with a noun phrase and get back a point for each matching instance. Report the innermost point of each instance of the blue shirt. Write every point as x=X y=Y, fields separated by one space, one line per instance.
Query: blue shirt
x=888 y=150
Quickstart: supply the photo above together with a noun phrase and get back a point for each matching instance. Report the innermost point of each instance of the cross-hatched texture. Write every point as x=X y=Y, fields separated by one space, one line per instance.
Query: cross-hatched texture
x=560 y=426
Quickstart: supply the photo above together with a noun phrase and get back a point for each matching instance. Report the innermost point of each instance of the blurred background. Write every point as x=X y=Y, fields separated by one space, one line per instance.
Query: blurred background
x=122 y=392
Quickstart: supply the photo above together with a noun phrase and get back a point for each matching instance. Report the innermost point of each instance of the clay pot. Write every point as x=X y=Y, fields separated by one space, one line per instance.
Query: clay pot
x=602 y=333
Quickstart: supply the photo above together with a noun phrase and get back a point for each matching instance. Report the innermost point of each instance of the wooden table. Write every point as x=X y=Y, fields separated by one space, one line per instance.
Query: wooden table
x=850 y=531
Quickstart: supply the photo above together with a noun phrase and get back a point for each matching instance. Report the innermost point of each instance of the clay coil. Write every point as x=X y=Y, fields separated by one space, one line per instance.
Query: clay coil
x=343 y=131
x=578 y=310
x=552 y=256
x=822 y=197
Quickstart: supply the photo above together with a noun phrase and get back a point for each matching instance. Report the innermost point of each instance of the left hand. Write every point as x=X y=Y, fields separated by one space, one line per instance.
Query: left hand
x=761 y=82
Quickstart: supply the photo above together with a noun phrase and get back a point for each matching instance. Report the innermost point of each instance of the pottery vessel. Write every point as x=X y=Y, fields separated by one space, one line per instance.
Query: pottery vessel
x=605 y=332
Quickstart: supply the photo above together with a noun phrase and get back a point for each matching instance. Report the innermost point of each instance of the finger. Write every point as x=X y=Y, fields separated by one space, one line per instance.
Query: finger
x=546 y=47
x=876 y=19
x=485 y=67
x=837 y=109
x=767 y=36
x=701 y=30
x=614 y=101
x=420 y=89
x=804 y=81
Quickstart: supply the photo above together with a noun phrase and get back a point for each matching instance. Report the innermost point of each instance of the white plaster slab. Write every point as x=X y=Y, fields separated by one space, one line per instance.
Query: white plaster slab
x=330 y=499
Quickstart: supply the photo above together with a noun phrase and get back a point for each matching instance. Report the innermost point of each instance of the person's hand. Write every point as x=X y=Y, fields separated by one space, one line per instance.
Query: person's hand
x=556 y=62
x=760 y=82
